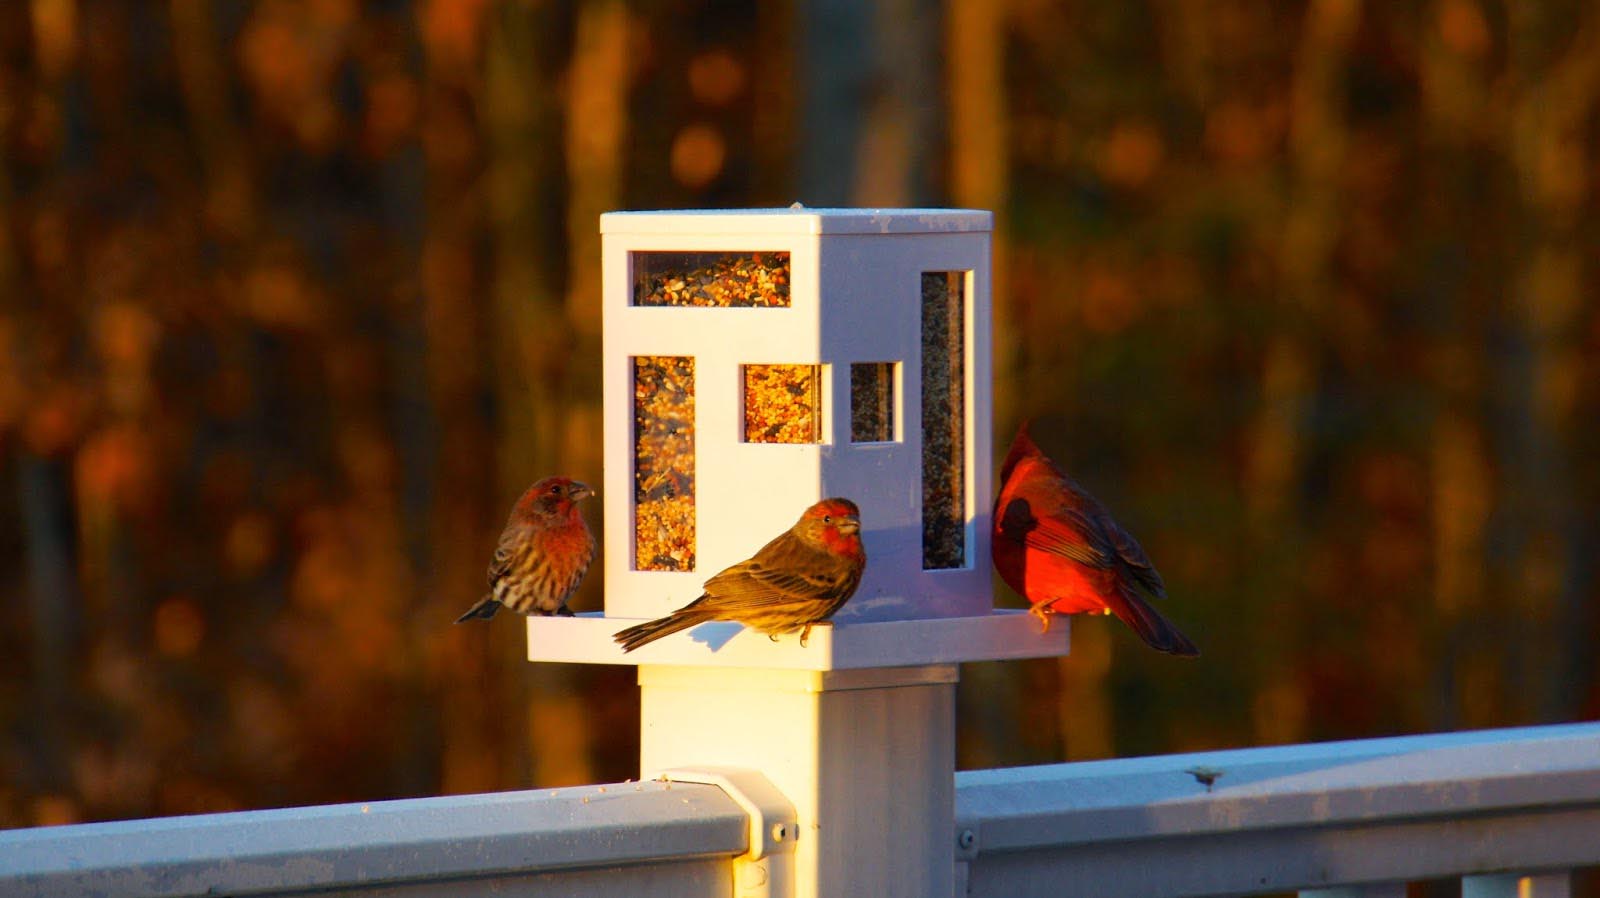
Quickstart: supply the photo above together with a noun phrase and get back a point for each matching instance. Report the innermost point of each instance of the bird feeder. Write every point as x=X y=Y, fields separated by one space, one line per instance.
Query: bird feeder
x=756 y=361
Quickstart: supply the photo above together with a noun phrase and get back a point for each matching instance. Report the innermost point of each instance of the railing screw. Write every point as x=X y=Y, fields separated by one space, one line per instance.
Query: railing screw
x=967 y=839
x=779 y=832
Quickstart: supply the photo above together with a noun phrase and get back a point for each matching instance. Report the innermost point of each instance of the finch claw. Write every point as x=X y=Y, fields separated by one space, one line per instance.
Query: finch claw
x=772 y=636
x=804 y=635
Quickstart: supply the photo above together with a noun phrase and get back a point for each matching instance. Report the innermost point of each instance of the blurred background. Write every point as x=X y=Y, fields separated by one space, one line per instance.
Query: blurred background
x=298 y=296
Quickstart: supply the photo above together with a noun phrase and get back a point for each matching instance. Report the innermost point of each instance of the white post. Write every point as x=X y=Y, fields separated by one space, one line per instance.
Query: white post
x=866 y=756
x=1513 y=885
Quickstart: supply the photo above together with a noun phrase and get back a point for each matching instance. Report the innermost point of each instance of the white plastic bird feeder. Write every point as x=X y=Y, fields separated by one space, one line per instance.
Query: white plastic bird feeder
x=756 y=361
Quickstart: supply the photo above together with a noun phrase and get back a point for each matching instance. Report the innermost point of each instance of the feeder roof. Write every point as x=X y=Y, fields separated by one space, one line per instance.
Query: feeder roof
x=797 y=220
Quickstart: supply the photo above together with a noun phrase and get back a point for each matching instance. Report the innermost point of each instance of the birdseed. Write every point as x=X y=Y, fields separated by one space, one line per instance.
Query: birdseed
x=871 y=402
x=782 y=403
x=715 y=280
x=943 y=420
x=663 y=470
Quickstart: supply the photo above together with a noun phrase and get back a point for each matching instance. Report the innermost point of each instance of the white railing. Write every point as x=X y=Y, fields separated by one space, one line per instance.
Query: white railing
x=1512 y=812
x=667 y=839
x=1361 y=817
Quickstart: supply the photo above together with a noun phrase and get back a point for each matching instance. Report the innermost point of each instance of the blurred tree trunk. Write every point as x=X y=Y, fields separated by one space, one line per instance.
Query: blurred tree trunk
x=979 y=172
x=868 y=115
x=903 y=132
x=975 y=44
x=775 y=94
x=204 y=80
x=1318 y=139
x=598 y=84
x=596 y=131
x=1458 y=270
x=44 y=487
x=450 y=322
x=834 y=74
x=55 y=608
x=435 y=498
x=1554 y=55
x=537 y=341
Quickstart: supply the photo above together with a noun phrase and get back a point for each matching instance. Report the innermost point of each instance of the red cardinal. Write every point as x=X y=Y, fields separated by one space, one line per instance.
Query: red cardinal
x=794 y=583
x=1061 y=550
x=543 y=553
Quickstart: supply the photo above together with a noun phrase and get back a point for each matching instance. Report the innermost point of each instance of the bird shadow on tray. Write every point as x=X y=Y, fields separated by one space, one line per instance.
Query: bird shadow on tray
x=715 y=634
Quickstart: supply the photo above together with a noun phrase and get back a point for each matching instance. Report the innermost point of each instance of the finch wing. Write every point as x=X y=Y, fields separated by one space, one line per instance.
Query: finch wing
x=752 y=583
x=506 y=552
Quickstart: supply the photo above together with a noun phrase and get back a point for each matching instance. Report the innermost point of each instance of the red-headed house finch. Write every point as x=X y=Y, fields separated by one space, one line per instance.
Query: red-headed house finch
x=542 y=555
x=795 y=582
x=1061 y=550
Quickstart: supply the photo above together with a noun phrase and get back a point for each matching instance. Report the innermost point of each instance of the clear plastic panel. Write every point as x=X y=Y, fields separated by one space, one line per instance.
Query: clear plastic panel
x=663 y=470
x=944 y=436
x=872 y=402
x=711 y=279
x=782 y=403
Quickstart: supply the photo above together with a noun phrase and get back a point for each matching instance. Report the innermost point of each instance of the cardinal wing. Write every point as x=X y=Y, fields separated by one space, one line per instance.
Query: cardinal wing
x=1058 y=530
x=1132 y=556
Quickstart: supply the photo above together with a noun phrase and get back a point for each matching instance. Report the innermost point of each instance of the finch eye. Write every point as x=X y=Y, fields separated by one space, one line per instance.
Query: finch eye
x=827 y=519
x=555 y=490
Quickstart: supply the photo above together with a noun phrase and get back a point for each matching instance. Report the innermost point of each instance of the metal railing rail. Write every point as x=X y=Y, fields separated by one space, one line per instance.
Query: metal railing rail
x=1511 y=812
x=668 y=839
x=1370 y=814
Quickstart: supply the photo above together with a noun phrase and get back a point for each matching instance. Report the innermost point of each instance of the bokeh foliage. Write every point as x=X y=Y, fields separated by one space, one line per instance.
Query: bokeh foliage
x=296 y=296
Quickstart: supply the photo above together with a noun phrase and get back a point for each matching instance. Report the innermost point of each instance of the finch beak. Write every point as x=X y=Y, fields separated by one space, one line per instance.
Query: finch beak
x=850 y=524
x=580 y=491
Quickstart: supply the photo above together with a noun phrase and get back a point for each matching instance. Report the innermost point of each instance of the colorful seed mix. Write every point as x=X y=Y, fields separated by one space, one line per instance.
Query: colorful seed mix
x=663 y=469
x=716 y=280
x=782 y=403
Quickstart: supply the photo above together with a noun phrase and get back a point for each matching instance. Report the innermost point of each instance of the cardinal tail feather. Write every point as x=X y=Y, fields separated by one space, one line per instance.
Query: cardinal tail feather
x=650 y=631
x=1157 y=632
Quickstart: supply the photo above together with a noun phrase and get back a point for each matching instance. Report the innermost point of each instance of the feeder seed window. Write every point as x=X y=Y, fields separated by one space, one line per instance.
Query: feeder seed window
x=663 y=471
x=711 y=279
x=943 y=419
x=782 y=403
x=872 y=400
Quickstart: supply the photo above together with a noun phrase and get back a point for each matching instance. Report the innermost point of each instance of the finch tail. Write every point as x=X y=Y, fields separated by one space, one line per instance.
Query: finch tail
x=1157 y=632
x=484 y=610
x=650 y=631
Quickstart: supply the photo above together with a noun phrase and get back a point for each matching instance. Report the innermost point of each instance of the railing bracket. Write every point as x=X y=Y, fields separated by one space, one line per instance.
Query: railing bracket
x=774 y=826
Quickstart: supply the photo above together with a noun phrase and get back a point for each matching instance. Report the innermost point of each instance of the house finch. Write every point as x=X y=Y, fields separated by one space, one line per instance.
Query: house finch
x=795 y=582
x=542 y=555
x=1061 y=550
